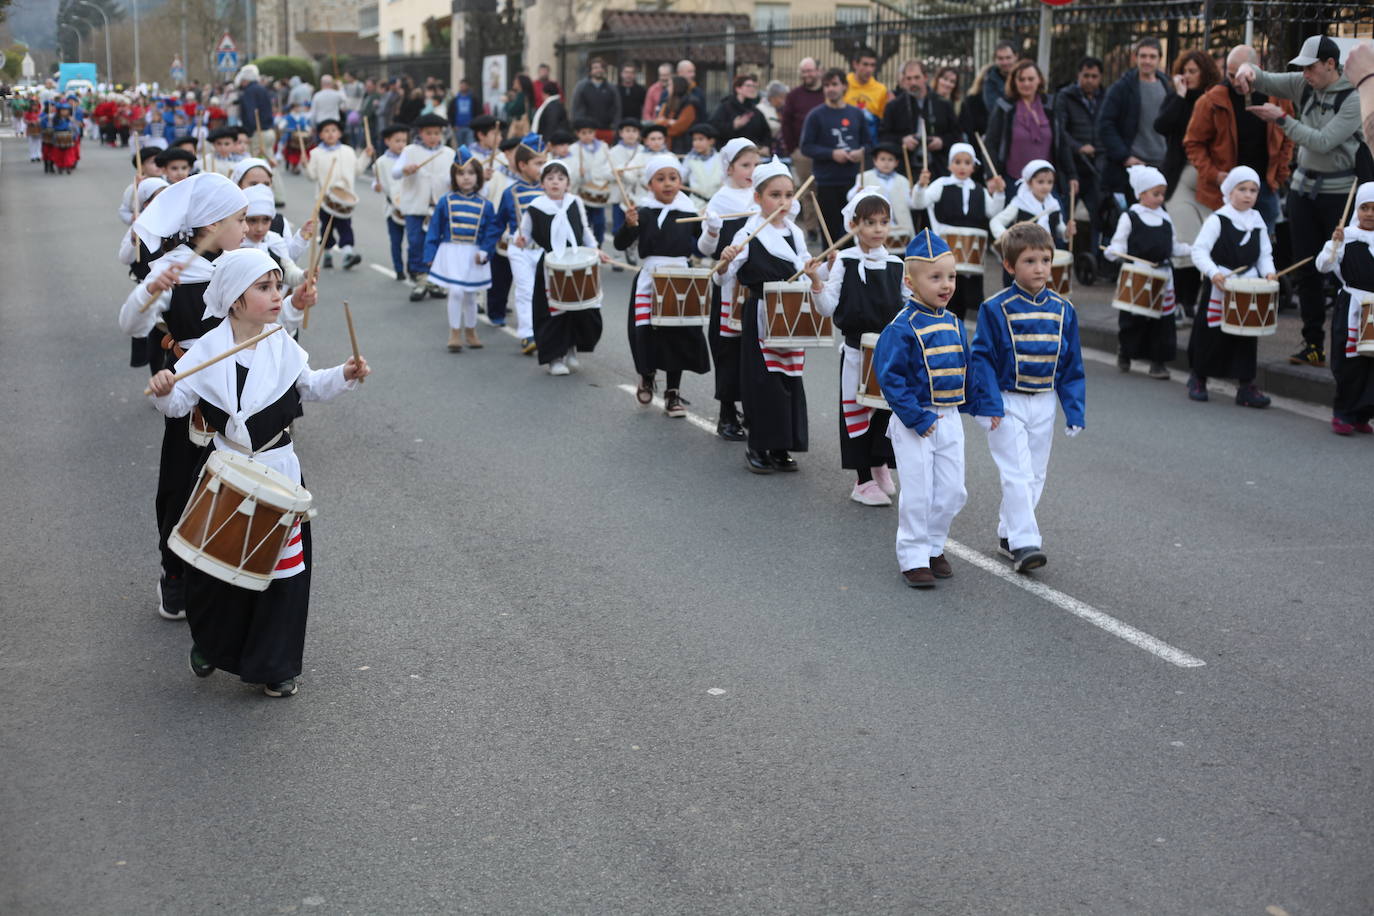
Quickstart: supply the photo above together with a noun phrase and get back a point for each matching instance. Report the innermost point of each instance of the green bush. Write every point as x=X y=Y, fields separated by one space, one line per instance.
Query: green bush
x=283 y=68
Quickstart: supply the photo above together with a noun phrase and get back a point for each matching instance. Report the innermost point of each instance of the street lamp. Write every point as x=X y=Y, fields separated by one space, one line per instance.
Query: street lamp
x=109 y=67
x=77 y=32
x=138 y=69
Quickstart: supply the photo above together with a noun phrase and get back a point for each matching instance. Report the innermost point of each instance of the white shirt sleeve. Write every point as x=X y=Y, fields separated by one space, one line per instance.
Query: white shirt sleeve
x=291 y=317
x=993 y=202
x=1202 y=247
x=1265 y=267
x=176 y=404
x=323 y=384
x=1329 y=258
x=137 y=323
x=829 y=297
x=399 y=169
x=1116 y=249
x=1000 y=223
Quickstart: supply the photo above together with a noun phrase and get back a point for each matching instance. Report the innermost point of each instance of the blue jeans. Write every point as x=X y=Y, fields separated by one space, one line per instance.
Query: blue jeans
x=1268 y=206
x=463 y=135
x=617 y=218
x=415 y=239
x=396 y=234
x=596 y=216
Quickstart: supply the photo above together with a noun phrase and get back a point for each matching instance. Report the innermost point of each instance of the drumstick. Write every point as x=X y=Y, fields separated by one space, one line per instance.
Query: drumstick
x=257 y=122
x=138 y=177
x=1073 y=202
x=225 y=355
x=986 y=158
x=314 y=275
x=1131 y=257
x=825 y=230
x=201 y=247
x=353 y=338
x=430 y=159
x=621 y=264
x=906 y=156
x=367 y=134
x=925 y=151
x=1349 y=199
x=1293 y=267
x=823 y=255
x=722 y=216
x=780 y=208
x=615 y=173
x=300 y=141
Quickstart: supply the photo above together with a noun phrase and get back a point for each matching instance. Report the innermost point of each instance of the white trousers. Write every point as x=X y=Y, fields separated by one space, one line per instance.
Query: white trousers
x=35 y=147
x=522 y=265
x=462 y=308
x=1021 y=448
x=932 y=474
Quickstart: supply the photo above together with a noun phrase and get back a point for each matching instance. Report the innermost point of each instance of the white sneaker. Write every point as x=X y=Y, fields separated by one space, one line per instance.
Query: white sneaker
x=572 y=361
x=558 y=367
x=869 y=494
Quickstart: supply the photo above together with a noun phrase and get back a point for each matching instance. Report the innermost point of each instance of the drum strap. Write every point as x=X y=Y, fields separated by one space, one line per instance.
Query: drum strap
x=170 y=343
x=251 y=452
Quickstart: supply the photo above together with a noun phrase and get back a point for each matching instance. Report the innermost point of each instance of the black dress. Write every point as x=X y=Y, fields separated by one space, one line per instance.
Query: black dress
x=1153 y=339
x=1354 y=401
x=579 y=328
x=774 y=402
x=260 y=636
x=670 y=349
x=724 y=348
x=866 y=307
x=145 y=351
x=181 y=459
x=1212 y=353
x=950 y=211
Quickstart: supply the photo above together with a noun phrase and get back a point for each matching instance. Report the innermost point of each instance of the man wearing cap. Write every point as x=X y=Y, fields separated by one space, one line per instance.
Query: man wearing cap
x=255 y=108
x=1326 y=130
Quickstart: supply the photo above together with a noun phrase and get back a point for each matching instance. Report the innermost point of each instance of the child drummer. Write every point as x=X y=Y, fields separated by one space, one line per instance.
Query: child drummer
x=922 y=364
x=771 y=379
x=956 y=202
x=1233 y=242
x=552 y=223
x=459 y=247
x=251 y=399
x=663 y=243
x=1146 y=233
x=1025 y=348
x=864 y=293
x=421 y=176
x=1350 y=255
x=739 y=157
x=336 y=162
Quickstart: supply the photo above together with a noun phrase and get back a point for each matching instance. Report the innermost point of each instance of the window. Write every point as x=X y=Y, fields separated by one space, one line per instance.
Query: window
x=396 y=43
x=852 y=15
x=772 y=16
x=367 y=21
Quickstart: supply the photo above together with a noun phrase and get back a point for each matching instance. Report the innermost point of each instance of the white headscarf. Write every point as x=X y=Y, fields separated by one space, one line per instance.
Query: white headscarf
x=1236 y=176
x=148 y=187
x=958 y=148
x=1026 y=199
x=1246 y=220
x=1144 y=177
x=261 y=200
x=234 y=272
x=863 y=193
x=681 y=203
x=243 y=165
x=1364 y=195
x=768 y=170
x=731 y=150
x=191 y=203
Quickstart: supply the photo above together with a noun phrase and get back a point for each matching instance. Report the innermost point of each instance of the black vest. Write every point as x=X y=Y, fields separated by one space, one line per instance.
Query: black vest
x=1357 y=266
x=1228 y=253
x=867 y=307
x=949 y=209
x=542 y=224
x=266 y=423
x=1153 y=243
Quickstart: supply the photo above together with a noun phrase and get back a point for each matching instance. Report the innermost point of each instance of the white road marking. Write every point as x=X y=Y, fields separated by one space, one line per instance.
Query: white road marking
x=1220 y=389
x=1137 y=638
x=1103 y=621
x=384 y=271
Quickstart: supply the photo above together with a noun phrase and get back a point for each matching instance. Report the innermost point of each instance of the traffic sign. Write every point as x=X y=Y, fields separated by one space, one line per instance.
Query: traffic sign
x=226 y=55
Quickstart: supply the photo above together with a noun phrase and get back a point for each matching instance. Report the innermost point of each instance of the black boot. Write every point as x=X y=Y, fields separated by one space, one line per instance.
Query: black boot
x=759 y=462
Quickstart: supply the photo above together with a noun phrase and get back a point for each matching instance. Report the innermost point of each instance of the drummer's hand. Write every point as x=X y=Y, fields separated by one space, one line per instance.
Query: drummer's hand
x=1271 y=276
x=377 y=186
x=354 y=369
x=1070 y=227
x=632 y=216
x=1339 y=235
x=924 y=179
x=1219 y=278
x=930 y=430
x=305 y=296
x=997 y=185
x=729 y=254
x=369 y=152
x=481 y=257
x=162 y=383
x=813 y=270
x=411 y=169
x=165 y=280
x=993 y=423
x=307 y=230
x=605 y=258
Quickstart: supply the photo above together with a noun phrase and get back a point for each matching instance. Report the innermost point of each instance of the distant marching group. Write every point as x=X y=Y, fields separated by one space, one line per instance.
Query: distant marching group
x=729 y=285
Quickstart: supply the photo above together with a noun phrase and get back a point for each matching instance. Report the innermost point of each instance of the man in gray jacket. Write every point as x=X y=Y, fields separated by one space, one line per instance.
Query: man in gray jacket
x=1327 y=135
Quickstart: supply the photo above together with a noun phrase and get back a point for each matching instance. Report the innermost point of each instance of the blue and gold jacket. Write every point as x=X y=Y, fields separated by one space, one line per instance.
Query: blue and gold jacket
x=509 y=214
x=921 y=361
x=1028 y=343
x=463 y=218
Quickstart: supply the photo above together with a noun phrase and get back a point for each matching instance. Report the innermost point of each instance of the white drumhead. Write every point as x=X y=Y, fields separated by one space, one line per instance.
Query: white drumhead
x=572 y=258
x=964 y=230
x=1251 y=285
x=697 y=273
x=1062 y=258
x=269 y=487
x=787 y=286
x=1131 y=267
x=868 y=341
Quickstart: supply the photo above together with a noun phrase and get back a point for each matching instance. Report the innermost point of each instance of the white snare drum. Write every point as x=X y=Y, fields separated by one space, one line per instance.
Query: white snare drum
x=1364 y=345
x=238 y=520
x=969 y=247
x=339 y=201
x=596 y=198
x=1140 y=290
x=897 y=242
x=199 y=431
x=734 y=319
x=870 y=394
x=1251 y=307
x=1061 y=273
x=572 y=279
x=682 y=297
x=790 y=318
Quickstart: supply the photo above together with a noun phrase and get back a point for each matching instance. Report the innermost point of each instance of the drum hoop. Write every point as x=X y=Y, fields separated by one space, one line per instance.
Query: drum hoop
x=274 y=489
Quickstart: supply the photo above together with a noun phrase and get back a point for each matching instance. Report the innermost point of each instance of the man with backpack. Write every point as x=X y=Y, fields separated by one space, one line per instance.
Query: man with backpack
x=1327 y=133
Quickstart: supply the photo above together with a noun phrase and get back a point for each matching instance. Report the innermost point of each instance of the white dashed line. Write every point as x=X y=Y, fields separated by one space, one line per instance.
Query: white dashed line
x=1103 y=621
x=384 y=271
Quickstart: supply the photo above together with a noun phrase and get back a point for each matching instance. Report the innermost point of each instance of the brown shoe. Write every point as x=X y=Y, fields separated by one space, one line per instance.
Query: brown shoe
x=455 y=340
x=472 y=341
x=920 y=577
x=940 y=568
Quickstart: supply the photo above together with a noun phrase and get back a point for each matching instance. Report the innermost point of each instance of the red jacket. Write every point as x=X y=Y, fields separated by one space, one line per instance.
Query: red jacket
x=1211 y=144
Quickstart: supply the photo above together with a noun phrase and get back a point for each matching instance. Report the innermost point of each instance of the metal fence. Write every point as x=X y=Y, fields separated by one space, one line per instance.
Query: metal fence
x=418 y=67
x=962 y=35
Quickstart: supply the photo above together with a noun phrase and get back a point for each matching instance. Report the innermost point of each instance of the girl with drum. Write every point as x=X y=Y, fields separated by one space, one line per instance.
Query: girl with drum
x=251 y=400
x=553 y=223
x=1233 y=243
x=664 y=243
x=769 y=249
x=739 y=157
x=252 y=172
x=863 y=293
x=958 y=211
x=1350 y=255
x=1034 y=202
x=1145 y=236
x=204 y=213
x=459 y=246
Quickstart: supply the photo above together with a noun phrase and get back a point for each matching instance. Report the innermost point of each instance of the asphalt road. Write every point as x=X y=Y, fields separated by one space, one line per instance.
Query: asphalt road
x=568 y=656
